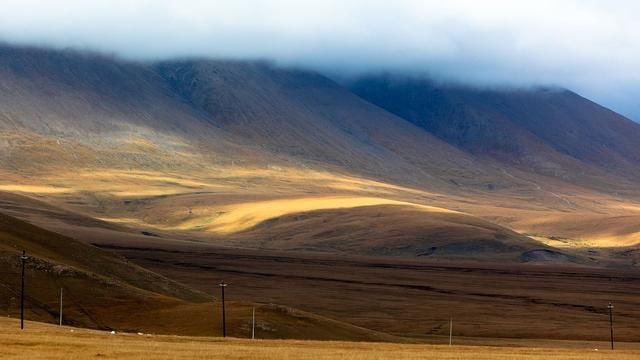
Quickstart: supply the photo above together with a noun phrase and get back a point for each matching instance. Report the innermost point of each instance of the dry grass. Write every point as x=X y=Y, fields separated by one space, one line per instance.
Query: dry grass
x=585 y=230
x=41 y=341
x=242 y=216
x=416 y=297
x=32 y=189
x=225 y=199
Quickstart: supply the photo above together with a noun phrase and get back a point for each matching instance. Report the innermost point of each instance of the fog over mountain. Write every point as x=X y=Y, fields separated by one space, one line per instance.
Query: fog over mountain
x=591 y=47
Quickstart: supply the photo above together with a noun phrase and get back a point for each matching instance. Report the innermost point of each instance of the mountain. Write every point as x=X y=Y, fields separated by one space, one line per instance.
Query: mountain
x=108 y=112
x=551 y=131
x=306 y=116
x=250 y=154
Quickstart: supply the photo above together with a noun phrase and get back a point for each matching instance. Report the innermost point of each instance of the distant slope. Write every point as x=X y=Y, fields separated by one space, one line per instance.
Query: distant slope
x=551 y=131
x=313 y=120
x=61 y=110
x=334 y=224
x=390 y=230
x=70 y=94
x=66 y=109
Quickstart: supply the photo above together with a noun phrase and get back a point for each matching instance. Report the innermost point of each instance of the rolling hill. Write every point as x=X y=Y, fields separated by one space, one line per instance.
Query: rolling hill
x=105 y=291
x=92 y=278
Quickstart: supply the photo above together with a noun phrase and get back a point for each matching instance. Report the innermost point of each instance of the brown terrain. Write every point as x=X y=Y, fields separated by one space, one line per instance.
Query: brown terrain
x=338 y=212
x=45 y=341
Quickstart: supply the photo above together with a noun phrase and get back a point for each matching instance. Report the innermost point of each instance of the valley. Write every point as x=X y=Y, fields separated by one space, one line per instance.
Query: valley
x=340 y=211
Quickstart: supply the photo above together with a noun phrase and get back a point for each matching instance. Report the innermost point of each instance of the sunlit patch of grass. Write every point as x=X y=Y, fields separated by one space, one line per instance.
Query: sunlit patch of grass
x=235 y=198
x=242 y=216
x=34 y=189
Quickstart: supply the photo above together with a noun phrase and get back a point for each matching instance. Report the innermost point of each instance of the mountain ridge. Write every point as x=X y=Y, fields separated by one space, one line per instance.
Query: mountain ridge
x=550 y=127
x=183 y=146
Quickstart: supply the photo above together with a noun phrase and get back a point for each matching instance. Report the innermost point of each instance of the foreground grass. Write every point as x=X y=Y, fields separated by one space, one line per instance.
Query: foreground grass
x=42 y=341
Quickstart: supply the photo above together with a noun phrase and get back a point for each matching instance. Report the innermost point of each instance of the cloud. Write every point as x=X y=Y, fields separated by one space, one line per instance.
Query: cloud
x=590 y=46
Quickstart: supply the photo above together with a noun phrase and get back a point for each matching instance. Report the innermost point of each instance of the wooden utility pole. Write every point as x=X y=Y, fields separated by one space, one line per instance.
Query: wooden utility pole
x=224 y=320
x=60 y=306
x=24 y=259
x=610 y=307
x=253 y=323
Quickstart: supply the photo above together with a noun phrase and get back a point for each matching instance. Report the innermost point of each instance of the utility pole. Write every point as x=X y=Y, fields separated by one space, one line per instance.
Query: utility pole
x=224 y=320
x=253 y=323
x=60 y=306
x=450 y=329
x=24 y=259
x=610 y=307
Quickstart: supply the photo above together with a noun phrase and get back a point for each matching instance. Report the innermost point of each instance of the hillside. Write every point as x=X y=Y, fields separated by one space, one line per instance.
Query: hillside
x=548 y=130
x=312 y=120
x=105 y=291
x=74 y=109
x=195 y=133
x=235 y=153
x=92 y=278
x=396 y=230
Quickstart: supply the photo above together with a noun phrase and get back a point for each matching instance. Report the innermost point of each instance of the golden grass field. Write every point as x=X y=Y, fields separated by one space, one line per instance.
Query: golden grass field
x=228 y=199
x=44 y=341
x=246 y=215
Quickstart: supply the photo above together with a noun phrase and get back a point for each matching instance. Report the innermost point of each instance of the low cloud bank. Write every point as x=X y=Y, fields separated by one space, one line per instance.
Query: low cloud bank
x=592 y=47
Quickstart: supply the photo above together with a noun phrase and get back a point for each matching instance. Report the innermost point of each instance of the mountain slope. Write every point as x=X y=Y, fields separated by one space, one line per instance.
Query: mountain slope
x=552 y=131
x=92 y=278
x=306 y=116
x=85 y=110
x=181 y=148
x=112 y=139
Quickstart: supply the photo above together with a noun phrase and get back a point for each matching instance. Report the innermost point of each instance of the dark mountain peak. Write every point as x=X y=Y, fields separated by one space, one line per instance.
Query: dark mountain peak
x=537 y=127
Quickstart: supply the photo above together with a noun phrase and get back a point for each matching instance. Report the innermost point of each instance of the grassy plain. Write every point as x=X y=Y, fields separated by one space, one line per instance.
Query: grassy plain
x=43 y=341
x=411 y=297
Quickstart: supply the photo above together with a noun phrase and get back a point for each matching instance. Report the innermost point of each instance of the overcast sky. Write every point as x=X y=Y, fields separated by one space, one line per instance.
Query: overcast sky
x=592 y=47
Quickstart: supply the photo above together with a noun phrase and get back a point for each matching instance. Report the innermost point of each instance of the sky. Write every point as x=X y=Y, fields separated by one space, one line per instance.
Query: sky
x=591 y=47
